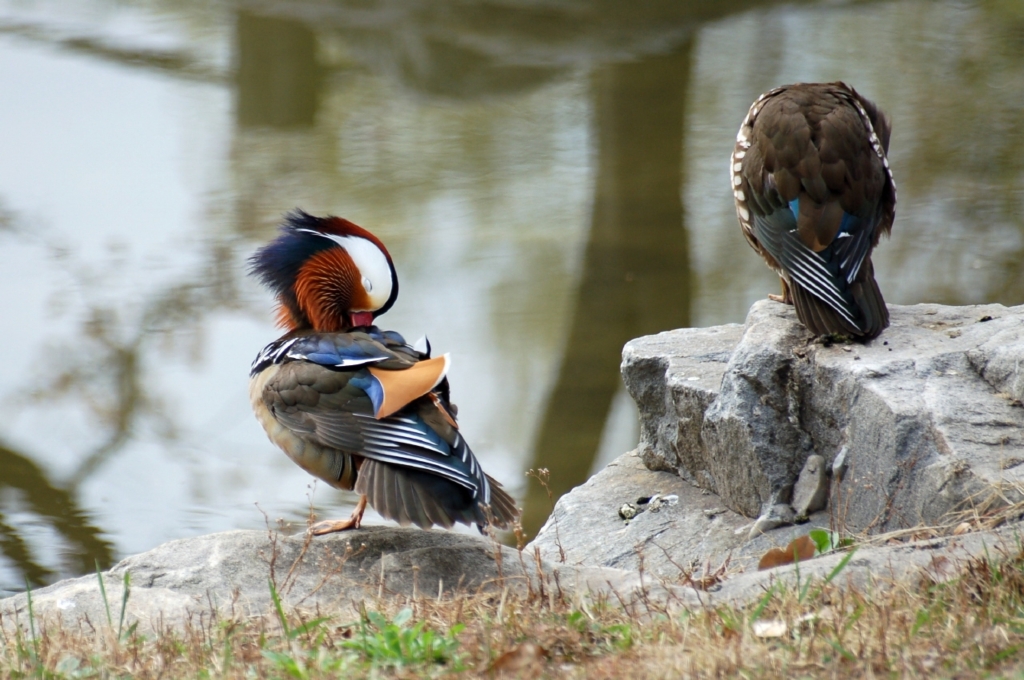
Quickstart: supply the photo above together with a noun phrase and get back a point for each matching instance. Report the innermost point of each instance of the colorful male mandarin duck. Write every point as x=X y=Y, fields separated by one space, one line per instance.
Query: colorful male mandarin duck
x=814 y=193
x=356 y=406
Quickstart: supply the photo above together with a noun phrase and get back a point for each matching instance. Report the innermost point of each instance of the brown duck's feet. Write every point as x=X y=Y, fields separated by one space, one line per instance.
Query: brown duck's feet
x=330 y=526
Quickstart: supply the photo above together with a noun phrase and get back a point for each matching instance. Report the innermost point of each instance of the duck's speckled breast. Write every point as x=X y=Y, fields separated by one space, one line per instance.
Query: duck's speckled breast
x=332 y=466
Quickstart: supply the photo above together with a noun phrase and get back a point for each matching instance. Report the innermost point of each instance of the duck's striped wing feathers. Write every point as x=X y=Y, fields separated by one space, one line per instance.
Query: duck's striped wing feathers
x=810 y=271
x=396 y=421
x=446 y=481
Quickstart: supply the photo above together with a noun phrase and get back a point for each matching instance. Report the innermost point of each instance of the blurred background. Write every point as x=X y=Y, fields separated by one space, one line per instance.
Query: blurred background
x=550 y=176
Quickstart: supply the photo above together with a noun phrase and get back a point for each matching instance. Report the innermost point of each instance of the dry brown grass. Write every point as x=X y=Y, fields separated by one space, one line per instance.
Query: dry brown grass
x=969 y=626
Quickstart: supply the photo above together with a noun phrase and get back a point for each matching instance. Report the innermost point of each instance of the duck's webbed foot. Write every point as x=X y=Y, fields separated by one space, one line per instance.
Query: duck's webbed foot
x=786 y=297
x=330 y=526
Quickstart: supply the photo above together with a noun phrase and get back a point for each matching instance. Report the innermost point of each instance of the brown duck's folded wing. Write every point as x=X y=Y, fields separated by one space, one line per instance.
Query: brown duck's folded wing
x=814 y=193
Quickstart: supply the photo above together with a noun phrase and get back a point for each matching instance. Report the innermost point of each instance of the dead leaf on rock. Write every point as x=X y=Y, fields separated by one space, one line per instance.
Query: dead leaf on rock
x=799 y=549
x=803 y=547
x=776 y=557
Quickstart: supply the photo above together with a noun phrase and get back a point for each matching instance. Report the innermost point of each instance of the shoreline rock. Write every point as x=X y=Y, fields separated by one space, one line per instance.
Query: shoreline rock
x=929 y=413
x=230 y=572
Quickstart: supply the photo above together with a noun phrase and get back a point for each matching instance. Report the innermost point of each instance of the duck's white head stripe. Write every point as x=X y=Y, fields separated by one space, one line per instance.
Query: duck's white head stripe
x=373 y=266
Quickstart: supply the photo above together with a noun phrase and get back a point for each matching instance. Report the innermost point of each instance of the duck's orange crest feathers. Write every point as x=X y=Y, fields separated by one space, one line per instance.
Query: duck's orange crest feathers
x=326 y=287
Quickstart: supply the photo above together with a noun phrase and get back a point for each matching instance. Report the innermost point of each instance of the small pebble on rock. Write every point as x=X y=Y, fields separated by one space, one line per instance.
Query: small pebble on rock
x=628 y=511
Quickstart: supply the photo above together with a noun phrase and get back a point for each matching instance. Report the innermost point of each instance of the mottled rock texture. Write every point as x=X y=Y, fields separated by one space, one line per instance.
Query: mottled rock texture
x=929 y=412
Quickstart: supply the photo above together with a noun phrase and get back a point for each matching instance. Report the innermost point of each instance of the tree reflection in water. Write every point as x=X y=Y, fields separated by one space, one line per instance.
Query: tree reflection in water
x=58 y=507
x=102 y=369
x=636 y=273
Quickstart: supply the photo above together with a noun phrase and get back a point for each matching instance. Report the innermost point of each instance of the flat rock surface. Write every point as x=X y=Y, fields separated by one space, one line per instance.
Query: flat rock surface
x=226 y=575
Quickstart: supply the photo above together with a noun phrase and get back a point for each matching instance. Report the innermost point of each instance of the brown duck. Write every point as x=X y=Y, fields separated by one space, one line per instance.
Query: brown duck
x=814 y=193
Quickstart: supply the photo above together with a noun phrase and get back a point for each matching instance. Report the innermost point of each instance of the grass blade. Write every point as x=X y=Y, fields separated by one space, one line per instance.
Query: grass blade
x=836 y=570
x=32 y=626
x=124 y=603
x=103 y=594
x=280 y=610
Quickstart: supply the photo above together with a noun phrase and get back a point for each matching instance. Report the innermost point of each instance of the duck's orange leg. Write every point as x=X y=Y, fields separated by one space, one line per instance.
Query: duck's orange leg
x=330 y=526
x=786 y=297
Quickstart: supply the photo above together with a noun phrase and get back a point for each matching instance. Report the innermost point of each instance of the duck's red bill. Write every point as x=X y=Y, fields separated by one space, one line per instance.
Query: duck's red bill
x=361 y=319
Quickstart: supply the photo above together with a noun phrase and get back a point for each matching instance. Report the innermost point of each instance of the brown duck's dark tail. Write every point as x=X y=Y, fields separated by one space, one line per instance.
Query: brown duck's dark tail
x=869 y=300
x=821 y=319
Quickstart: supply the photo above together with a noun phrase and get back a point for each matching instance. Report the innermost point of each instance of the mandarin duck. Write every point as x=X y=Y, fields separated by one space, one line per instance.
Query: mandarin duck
x=814 y=193
x=354 y=405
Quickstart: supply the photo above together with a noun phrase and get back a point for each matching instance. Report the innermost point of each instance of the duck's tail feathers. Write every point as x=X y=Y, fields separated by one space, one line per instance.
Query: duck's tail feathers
x=410 y=496
x=821 y=319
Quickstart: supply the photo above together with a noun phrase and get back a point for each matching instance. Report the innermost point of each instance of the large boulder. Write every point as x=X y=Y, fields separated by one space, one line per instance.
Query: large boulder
x=923 y=420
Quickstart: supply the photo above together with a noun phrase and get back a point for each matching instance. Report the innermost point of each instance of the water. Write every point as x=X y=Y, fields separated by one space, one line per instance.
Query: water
x=551 y=181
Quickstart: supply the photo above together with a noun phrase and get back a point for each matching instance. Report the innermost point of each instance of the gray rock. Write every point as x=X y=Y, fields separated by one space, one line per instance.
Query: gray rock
x=840 y=465
x=775 y=516
x=929 y=413
x=752 y=436
x=586 y=529
x=811 y=491
x=230 y=572
x=674 y=377
x=913 y=424
x=591 y=549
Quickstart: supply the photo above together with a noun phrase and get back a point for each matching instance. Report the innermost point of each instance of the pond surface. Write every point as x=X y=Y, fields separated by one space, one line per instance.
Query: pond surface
x=550 y=178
